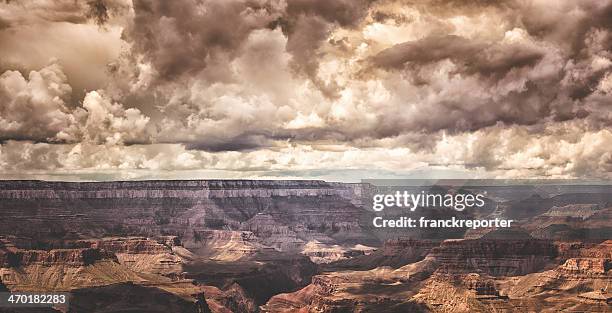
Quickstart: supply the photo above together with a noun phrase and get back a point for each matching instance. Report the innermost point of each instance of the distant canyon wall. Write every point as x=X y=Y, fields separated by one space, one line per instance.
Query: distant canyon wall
x=176 y=189
x=59 y=211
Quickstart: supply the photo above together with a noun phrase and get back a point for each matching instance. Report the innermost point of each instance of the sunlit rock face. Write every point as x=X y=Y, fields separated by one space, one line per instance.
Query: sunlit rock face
x=12 y=257
x=140 y=254
x=60 y=269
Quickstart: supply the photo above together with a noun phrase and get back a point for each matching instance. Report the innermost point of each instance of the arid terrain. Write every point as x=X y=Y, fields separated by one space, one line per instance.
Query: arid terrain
x=300 y=246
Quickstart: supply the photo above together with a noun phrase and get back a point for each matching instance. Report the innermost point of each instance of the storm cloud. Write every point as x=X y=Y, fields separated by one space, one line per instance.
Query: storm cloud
x=257 y=87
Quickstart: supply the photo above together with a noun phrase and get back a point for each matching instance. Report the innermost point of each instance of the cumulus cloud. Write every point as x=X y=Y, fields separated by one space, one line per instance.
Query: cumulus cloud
x=558 y=152
x=262 y=87
x=34 y=108
x=109 y=123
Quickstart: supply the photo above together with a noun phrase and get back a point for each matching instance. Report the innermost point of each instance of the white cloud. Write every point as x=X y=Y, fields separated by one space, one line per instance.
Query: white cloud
x=35 y=107
x=109 y=123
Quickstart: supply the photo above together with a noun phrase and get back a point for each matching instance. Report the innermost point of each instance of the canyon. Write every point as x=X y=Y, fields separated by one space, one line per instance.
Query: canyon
x=300 y=246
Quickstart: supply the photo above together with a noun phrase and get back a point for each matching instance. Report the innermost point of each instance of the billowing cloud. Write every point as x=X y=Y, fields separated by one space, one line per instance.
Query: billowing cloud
x=266 y=88
x=34 y=108
x=518 y=152
x=181 y=37
x=109 y=123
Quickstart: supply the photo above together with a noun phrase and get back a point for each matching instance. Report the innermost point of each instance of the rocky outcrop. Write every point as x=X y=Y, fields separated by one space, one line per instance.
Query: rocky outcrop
x=465 y=293
x=566 y=250
x=134 y=245
x=119 y=259
x=202 y=305
x=590 y=196
x=232 y=299
x=244 y=244
x=72 y=257
x=377 y=290
x=587 y=267
x=395 y=253
x=493 y=257
x=65 y=276
x=599 y=297
x=454 y=276
x=322 y=253
x=13 y=258
x=273 y=233
x=582 y=211
x=278 y=272
x=223 y=245
x=584 y=277
x=144 y=255
x=480 y=286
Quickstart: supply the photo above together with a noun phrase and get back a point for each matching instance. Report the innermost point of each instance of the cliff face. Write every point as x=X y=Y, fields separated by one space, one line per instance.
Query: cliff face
x=57 y=211
x=584 y=261
x=11 y=257
x=568 y=250
x=72 y=257
x=587 y=266
x=173 y=189
x=494 y=257
x=233 y=299
x=141 y=254
x=537 y=205
x=134 y=245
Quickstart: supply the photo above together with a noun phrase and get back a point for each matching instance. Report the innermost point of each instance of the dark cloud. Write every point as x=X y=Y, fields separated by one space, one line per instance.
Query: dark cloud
x=246 y=142
x=473 y=56
x=307 y=25
x=426 y=50
x=499 y=60
x=26 y=12
x=347 y=13
x=4 y=23
x=98 y=11
x=566 y=23
x=180 y=37
x=519 y=79
x=306 y=37
x=290 y=83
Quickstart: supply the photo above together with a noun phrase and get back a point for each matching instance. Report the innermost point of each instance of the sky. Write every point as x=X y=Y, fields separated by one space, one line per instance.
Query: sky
x=315 y=89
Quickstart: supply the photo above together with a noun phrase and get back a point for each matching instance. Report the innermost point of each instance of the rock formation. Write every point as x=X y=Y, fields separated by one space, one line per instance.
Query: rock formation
x=300 y=246
x=493 y=257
